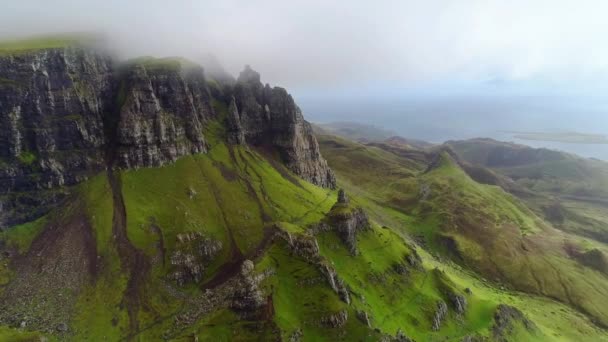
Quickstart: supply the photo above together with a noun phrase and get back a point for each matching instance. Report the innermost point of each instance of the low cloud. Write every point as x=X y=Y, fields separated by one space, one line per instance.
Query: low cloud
x=330 y=43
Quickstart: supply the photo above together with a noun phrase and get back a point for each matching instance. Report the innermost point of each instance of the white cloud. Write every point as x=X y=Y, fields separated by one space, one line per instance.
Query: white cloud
x=334 y=42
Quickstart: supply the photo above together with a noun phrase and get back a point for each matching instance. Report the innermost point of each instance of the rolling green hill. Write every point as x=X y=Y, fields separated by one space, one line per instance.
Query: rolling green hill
x=568 y=191
x=234 y=196
x=478 y=226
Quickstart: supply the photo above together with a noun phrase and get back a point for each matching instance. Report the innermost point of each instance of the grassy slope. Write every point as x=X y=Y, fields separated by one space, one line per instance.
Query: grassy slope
x=222 y=202
x=500 y=237
x=43 y=42
x=578 y=185
x=543 y=170
x=163 y=196
x=429 y=219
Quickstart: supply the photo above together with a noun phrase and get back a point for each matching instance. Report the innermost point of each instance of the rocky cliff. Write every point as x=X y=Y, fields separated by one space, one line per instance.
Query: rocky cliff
x=163 y=106
x=65 y=113
x=52 y=104
x=265 y=116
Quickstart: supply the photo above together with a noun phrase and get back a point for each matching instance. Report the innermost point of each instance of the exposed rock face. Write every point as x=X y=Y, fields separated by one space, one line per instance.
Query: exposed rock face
x=336 y=320
x=307 y=247
x=301 y=245
x=193 y=253
x=410 y=262
x=269 y=117
x=336 y=283
x=51 y=126
x=342 y=198
x=440 y=314
x=364 y=318
x=296 y=336
x=347 y=222
x=402 y=337
x=414 y=260
x=247 y=296
x=236 y=134
x=163 y=114
x=64 y=111
x=505 y=317
x=459 y=302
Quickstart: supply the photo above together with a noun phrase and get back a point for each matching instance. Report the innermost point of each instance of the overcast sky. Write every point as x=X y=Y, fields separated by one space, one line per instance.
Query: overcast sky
x=332 y=43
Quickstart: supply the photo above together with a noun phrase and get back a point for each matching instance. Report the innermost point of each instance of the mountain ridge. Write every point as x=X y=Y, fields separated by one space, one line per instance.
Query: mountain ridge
x=63 y=108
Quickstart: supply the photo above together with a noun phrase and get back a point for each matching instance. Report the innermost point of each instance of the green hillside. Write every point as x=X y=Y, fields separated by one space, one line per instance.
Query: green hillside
x=477 y=226
x=567 y=191
x=235 y=195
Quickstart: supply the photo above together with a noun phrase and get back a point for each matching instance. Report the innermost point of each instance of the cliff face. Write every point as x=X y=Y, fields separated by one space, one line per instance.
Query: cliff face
x=266 y=116
x=163 y=114
x=64 y=111
x=51 y=125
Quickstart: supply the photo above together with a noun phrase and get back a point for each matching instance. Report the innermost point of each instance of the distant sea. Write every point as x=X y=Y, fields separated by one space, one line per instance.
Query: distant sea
x=454 y=118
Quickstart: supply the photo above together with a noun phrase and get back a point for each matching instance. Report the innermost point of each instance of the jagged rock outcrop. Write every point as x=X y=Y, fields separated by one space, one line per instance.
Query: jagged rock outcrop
x=402 y=337
x=441 y=313
x=346 y=221
x=52 y=104
x=307 y=247
x=164 y=106
x=193 y=252
x=236 y=134
x=336 y=320
x=505 y=318
x=364 y=318
x=336 y=283
x=247 y=295
x=450 y=292
x=269 y=117
x=459 y=302
x=414 y=260
x=342 y=198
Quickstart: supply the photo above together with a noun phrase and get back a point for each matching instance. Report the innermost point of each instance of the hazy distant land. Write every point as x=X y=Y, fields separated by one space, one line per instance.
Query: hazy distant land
x=563 y=137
